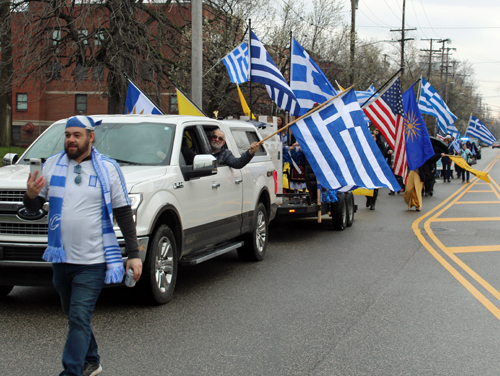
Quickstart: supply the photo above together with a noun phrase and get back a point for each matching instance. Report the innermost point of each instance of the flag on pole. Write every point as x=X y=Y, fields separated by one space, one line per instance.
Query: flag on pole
x=477 y=129
x=340 y=148
x=386 y=113
x=186 y=106
x=244 y=105
x=138 y=103
x=431 y=103
x=456 y=144
x=418 y=143
x=237 y=64
x=264 y=70
x=461 y=162
x=307 y=81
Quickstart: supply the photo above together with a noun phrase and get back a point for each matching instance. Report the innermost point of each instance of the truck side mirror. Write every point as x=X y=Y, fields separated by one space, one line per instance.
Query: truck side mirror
x=10 y=159
x=203 y=165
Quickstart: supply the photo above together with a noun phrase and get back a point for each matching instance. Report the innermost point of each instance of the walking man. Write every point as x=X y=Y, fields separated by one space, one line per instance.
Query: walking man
x=85 y=191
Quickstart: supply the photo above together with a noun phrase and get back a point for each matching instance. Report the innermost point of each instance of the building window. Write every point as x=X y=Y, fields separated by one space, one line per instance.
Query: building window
x=55 y=37
x=81 y=103
x=81 y=72
x=22 y=102
x=83 y=34
x=54 y=71
x=173 y=107
x=98 y=73
x=98 y=38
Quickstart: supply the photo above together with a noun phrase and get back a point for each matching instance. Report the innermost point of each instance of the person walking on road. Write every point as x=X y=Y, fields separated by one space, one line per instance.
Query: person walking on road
x=85 y=191
x=446 y=161
x=467 y=156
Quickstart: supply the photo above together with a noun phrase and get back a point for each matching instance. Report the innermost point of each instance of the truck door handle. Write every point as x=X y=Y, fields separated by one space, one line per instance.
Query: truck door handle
x=238 y=181
x=215 y=185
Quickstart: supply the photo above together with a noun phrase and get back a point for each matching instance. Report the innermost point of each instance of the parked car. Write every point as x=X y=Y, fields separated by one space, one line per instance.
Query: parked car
x=496 y=144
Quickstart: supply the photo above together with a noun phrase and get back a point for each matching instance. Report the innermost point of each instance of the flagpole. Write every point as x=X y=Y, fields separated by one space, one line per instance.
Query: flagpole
x=468 y=124
x=383 y=86
x=143 y=93
x=250 y=61
x=419 y=88
x=305 y=115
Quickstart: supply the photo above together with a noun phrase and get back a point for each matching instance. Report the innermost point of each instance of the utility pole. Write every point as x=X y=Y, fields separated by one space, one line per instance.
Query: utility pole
x=443 y=41
x=446 y=76
x=354 y=6
x=197 y=52
x=402 y=40
x=431 y=51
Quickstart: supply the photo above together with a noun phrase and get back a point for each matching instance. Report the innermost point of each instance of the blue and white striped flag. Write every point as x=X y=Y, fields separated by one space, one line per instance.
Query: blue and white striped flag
x=341 y=149
x=479 y=130
x=307 y=81
x=456 y=144
x=265 y=71
x=138 y=103
x=431 y=103
x=237 y=64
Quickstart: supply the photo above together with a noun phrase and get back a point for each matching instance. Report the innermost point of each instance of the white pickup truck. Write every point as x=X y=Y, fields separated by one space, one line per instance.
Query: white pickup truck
x=184 y=214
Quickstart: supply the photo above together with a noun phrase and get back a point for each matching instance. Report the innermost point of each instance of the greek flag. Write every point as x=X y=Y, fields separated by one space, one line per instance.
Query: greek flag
x=265 y=71
x=431 y=103
x=479 y=130
x=236 y=63
x=456 y=144
x=341 y=149
x=138 y=103
x=307 y=81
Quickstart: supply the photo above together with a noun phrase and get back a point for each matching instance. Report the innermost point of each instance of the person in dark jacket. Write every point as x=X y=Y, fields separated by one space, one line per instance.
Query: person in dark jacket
x=370 y=201
x=225 y=156
x=427 y=173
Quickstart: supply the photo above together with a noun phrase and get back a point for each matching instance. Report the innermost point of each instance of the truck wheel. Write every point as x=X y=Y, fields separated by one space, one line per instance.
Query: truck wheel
x=160 y=268
x=5 y=290
x=339 y=213
x=350 y=208
x=255 y=245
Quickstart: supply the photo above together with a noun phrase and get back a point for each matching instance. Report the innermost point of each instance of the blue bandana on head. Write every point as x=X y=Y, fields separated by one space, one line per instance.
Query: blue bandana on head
x=55 y=252
x=81 y=121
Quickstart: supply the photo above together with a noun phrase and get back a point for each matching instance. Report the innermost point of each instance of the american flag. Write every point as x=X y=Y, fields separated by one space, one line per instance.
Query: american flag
x=387 y=114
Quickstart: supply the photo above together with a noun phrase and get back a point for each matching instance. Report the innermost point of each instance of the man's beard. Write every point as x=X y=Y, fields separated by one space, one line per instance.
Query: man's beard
x=74 y=154
x=215 y=146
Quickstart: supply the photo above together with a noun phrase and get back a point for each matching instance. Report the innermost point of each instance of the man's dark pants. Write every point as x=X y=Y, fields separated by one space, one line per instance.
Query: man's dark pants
x=79 y=287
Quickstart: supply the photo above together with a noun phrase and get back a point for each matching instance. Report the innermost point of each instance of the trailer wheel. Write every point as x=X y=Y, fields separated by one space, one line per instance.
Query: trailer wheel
x=339 y=213
x=350 y=208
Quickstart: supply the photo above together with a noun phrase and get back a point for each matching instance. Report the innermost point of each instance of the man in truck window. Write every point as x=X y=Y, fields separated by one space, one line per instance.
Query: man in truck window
x=85 y=190
x=220 y=151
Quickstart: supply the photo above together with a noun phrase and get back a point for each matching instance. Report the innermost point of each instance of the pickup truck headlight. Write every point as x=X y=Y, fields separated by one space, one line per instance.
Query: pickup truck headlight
x=135 y=201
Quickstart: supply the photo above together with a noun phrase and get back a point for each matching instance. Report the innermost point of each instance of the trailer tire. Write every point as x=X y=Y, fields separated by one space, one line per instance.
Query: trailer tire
x=339 y=213
x=350 y=208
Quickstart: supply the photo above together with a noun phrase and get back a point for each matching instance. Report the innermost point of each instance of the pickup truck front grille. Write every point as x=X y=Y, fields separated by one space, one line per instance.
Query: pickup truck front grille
x=11 y=196
x=23 y=229
x=22 y=254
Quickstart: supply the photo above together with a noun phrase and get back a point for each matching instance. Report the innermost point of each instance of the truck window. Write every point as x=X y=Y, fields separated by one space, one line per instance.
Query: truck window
x=244 y=139
x=191 y=145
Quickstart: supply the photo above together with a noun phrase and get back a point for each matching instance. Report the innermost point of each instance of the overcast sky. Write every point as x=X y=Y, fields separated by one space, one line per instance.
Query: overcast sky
x=472 y=26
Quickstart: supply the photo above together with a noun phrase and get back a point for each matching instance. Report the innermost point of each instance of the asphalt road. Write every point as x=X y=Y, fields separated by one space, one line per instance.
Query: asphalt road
x=375 y=299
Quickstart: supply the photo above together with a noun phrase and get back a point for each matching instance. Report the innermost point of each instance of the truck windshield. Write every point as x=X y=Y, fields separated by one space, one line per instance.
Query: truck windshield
x=138 y=144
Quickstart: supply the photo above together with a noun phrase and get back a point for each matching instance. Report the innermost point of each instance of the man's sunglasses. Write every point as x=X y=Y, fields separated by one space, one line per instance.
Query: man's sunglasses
x=214 y=137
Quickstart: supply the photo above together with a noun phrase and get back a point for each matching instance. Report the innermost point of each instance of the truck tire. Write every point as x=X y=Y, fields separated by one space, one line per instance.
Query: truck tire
x=350 y=208
x=255 y=245
x=5 y=290
x=339 y=213
x=159 y=275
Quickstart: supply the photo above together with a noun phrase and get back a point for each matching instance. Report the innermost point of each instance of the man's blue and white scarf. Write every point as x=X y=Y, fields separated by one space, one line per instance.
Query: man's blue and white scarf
x=55 y=252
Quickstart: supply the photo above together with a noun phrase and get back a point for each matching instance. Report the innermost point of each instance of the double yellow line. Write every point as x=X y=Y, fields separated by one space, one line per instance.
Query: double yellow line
x=433 y=216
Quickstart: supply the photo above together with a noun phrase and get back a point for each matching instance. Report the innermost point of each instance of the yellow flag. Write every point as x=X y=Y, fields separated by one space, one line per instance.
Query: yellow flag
x=340 y=87
x=244 y=105
x=363 y=192
x=186 y=107
x=461 y=162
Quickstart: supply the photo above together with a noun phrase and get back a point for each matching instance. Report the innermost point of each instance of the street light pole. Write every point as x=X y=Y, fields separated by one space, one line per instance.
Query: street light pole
x=197 y=52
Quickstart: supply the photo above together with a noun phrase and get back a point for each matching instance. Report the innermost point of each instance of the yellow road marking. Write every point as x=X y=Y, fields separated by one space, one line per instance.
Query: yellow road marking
x=466 y=219
x=477 y=202
x=432 y=216
x=474 y=248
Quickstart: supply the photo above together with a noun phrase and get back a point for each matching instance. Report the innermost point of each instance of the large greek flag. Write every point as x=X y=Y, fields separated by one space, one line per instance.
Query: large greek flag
x=264 y=70
x=340 y=148
x=307 y=81
x=138 y=103
x=237 y=64
x=479 y=130
x=431 y=103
